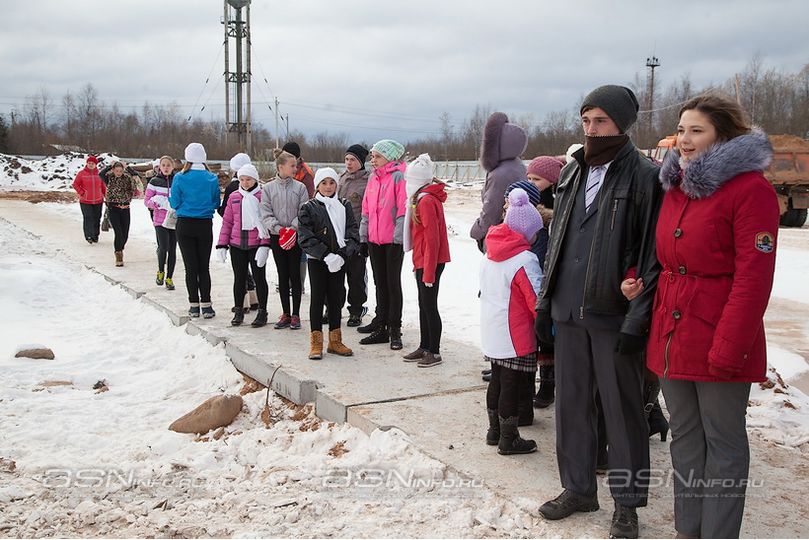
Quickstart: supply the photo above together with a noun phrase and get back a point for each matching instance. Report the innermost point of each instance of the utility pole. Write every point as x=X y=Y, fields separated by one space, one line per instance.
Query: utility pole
x=286 y=121
x=236 y=20
x=651 y=62
x=276 y=123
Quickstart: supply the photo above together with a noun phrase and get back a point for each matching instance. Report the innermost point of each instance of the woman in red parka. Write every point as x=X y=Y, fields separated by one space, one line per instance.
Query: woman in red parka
x=716 y=238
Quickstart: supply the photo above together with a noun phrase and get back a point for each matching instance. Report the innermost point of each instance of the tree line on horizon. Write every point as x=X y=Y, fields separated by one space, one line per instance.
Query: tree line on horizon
x=775 y=100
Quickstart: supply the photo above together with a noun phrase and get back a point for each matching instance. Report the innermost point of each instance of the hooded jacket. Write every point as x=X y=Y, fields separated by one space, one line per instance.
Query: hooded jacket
x=90 y=187
x=510 y=277
x=316 y=234
x=503 y=144
x=158 y=185
x=351 y=186
x=231 y=233
x=626 y=213
x=430 y=242
x=716 y=240
x=384 y=205
x=280 y=201
x=195 y=194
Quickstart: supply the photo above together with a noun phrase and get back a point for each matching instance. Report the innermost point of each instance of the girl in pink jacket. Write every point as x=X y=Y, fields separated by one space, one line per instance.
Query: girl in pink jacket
x=248 y=241
x=381 y=233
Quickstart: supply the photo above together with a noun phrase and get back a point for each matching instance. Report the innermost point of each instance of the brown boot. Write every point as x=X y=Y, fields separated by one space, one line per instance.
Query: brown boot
x=336 y=343
x=316 y=350
x=119 y=258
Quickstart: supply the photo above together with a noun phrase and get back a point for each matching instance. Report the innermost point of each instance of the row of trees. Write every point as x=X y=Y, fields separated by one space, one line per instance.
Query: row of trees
x=775 y=100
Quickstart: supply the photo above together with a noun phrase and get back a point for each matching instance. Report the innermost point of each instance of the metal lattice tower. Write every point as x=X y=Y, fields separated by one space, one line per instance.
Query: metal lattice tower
x=237 y=83
x=651 y=62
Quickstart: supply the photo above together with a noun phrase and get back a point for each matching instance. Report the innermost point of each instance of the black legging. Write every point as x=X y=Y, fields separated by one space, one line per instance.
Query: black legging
x=119 y=221
x=504 y=390
x=288 y=265
x=241 y=260
x=91 y=214
x=195 y=238
x=166 y=249
x=386 y=263
x=429 y=319
x=326 y=287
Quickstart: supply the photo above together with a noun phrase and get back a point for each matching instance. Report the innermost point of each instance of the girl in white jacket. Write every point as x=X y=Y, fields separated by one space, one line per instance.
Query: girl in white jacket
x=510 y=277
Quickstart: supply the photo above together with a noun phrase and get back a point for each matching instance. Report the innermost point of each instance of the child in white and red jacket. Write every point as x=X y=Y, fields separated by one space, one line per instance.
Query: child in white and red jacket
x=248 y=240
x=156 y=199
x=426 y=235
x=510 y=277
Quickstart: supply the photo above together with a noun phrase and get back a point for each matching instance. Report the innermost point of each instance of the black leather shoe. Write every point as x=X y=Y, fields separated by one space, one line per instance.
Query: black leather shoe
x=624 y=522
x=369 y=328
x=380 y=335
x=568 y=503
x=396 y=339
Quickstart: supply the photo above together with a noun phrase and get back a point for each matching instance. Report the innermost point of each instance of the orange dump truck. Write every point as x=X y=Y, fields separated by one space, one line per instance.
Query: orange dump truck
x=788 y=174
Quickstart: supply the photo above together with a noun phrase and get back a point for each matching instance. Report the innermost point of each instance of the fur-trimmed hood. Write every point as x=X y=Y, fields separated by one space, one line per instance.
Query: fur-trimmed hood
x=720 y=163
x=501 y=141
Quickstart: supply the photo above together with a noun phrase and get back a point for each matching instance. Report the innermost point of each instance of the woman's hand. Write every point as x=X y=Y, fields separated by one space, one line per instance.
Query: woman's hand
x=631 y=288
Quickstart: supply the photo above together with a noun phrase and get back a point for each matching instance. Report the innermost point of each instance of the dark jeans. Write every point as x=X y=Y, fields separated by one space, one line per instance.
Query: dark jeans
x=710 y=454
x=504 y=391
x=92 y=219
x=288 y=265
x=326 y=288
x=242 y=260
x=195 y=238
x=386 y=263
x=429 y=319
x=355 y=271
x=119 y=221
x=166 y=249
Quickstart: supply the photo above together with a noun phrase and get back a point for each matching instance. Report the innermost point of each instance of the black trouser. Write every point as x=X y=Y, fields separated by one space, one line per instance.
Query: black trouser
x=195 y=238
x=242 y=260
x=429 y=318
x=166 y=249
x=92 y=219
x=119 y=221
x=288 y=265
x=386 y=263
x=326 y=287
x=587 y=362
x=710 y=454
x=504 y=391
x=355 y=270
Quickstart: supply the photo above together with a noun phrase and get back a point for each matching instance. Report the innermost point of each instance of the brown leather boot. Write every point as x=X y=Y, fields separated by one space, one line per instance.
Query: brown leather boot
x=119 y=258
x=336 y=345
x=316 y=350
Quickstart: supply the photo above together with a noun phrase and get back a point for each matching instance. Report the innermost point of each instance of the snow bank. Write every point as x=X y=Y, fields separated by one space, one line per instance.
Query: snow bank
x=51 y=173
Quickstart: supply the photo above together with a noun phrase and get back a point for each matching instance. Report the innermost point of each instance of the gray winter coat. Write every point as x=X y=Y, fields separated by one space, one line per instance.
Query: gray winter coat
x=500 y=152
x=352 y=188
x=281 y=199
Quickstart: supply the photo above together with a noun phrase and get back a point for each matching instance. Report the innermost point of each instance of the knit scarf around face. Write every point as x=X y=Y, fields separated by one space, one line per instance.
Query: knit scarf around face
x=250 y=215
x=337 y=216
x=602 y=150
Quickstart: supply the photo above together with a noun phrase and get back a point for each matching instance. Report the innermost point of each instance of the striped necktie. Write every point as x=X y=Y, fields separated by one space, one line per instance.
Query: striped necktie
x=593 y=184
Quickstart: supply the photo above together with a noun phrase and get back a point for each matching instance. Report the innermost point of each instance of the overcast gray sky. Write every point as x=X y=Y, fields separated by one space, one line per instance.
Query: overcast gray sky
x=373 y=68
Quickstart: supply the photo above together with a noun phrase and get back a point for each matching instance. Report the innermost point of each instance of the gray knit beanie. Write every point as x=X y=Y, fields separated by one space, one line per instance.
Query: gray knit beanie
x=619 y=102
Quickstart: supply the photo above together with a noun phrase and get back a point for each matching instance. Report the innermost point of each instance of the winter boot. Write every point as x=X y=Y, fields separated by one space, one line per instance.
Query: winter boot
x=316 y=347
x=119 y=258
x=380 y=335
x=336 y=345
x=169 y=284
x=624 y=522
x=160 y=279
x=396 y=338
x=510 y=441
x=207 y=311
x=193 y=311
x=238 y=317
x=261 y=318
x=493 y=434
x=371 y=327
x=547 y=384
x=651 y=409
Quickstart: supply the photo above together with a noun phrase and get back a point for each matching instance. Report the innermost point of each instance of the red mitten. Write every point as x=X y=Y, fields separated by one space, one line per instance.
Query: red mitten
x=287 y=238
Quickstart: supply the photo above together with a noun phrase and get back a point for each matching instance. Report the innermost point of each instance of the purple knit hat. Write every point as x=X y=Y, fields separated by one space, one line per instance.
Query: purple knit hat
x=521 y=217
x=546 y=167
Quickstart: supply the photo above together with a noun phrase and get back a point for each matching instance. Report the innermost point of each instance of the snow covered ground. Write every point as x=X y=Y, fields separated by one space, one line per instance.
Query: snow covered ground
x=51 y=173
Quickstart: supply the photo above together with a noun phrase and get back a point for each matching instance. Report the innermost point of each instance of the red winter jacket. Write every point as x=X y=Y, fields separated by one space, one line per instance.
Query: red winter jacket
x=89 y=186
x=430 y=243
x=716 y=239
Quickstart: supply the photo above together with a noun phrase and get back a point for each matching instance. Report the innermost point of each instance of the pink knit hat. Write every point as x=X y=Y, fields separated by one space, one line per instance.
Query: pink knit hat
x=521 y=216
x=546 y=167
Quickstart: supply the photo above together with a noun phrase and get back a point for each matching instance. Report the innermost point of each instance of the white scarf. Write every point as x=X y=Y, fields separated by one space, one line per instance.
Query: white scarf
x=250 y=216
x=337 y=216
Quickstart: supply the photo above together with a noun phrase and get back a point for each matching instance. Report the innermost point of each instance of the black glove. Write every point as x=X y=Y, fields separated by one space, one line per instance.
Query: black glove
x=630 y=344
x=543 y=326
x=481 y=246
x=364 y=249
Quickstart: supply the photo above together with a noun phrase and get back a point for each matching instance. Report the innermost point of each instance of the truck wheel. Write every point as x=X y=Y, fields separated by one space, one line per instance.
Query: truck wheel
x=794 y=217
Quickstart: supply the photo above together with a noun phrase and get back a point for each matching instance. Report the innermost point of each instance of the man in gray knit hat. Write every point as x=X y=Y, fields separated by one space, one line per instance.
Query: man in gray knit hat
x=607 y=201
